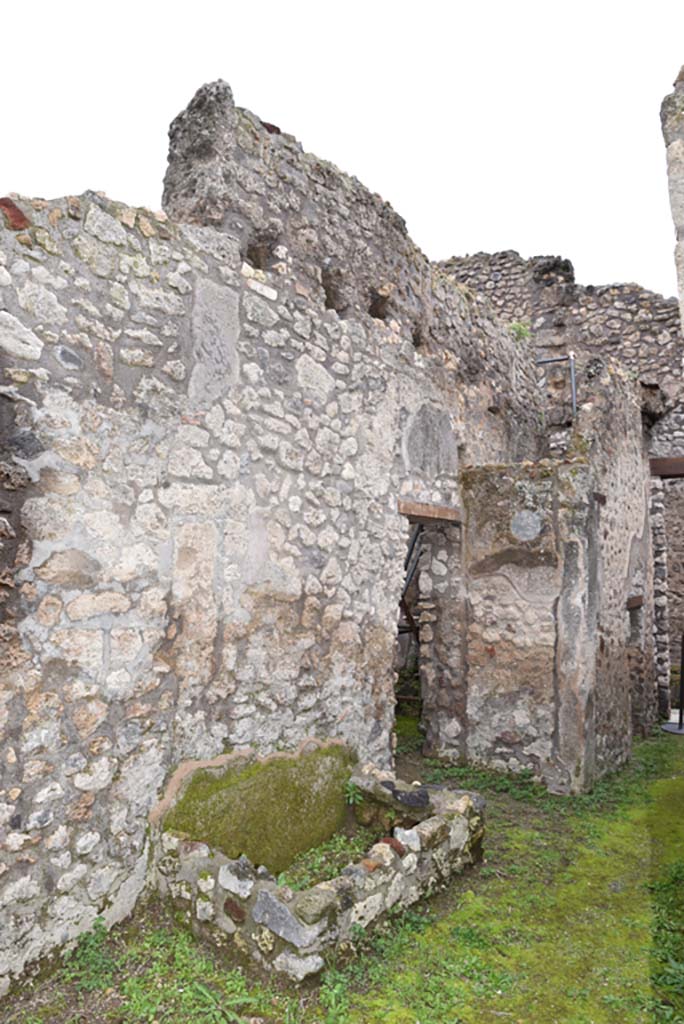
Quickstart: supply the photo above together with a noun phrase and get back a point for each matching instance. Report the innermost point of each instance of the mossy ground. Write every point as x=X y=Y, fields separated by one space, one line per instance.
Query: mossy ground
x=575 y=917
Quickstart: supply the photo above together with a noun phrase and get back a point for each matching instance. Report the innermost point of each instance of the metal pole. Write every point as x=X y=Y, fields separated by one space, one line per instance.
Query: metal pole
x=678 y=730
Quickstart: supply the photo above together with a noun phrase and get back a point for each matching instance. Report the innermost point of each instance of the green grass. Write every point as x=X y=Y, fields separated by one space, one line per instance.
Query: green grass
x=328 y=859
x=409 y=736
x=159 y=975
x=576 y=917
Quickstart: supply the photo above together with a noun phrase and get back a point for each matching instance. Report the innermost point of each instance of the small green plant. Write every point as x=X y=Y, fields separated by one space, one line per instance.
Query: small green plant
x=292 y=1012
x=352 y=794
x=327 y=860
x=520 y=330
x=335 y=996
x=221 y=1010
x=91 y=965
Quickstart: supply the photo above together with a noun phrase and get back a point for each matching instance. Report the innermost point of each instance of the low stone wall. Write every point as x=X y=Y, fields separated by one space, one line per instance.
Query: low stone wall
x=233 y=902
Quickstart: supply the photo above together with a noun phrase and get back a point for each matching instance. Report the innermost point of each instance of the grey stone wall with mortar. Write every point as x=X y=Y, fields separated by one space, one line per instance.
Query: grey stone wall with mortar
x=555 y=681
x=441 y=610
x=201 y=542
x=672 y=121
x=346 y=246
x=661 y=623
x=638 y=328
x=671 y=436
x=208 y=421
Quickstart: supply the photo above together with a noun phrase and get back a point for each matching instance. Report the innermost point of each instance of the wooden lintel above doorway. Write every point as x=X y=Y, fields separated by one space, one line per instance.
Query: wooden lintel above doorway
x=420 y=512
x=669 y=468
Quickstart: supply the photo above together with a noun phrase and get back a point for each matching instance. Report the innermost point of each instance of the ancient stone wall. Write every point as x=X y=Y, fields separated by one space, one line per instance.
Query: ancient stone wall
x=201 y=472
x=540 y=299
x=209 y=423
x=442 y=624
x=513 y=564
x=673 y=507
x=555 y=552
x=638 y=327
x=661 y=618
x=622 y=583
x=346 y=247
x=672 y=120
x=670 y=432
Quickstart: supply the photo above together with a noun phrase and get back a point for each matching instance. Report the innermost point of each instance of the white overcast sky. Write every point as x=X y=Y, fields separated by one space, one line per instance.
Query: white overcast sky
x=487 y=124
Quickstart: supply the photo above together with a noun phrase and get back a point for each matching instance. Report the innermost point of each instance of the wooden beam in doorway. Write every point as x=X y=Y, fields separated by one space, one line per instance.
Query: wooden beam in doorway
x=419 y=512
x=668 y=468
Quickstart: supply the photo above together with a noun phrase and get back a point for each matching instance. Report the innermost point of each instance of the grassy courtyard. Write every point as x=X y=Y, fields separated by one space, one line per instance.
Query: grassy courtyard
x=575 y=917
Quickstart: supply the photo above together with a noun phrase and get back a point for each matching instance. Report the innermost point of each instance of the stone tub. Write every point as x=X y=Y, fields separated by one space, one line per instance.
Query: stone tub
x=225 y=828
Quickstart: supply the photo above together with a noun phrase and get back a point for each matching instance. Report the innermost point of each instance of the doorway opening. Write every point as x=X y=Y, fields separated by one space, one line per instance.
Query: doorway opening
x=408 y=708
x=430 y=689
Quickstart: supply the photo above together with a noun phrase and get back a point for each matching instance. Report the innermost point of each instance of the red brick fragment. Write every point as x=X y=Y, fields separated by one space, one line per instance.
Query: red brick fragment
x=234 y=911
x=371 y=865
x=15 y=219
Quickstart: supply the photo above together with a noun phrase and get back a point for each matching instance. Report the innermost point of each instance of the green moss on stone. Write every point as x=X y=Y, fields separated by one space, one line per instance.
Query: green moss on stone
x=269 y=811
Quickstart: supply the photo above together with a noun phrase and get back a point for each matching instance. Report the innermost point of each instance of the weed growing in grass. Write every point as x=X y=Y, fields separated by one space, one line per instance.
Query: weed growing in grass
x=352 y=793
x=520 y=786
x=91 y=965
x=170 y=977
x=409 y=737
x=334 y=996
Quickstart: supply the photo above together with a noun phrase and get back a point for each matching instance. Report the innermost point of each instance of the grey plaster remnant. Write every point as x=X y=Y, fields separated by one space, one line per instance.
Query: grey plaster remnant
x=430 y=445
x=526 y=525
x=215 y=332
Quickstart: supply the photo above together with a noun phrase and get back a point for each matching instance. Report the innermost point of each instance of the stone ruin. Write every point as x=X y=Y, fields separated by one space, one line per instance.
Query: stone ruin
x=222 y=427
x=275 y=807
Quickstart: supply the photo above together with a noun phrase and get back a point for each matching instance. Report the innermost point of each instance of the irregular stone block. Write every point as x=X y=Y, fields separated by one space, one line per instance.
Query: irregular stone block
x=18 y=341
x=313 y=904
x=367 y=910
x=204 y=910
x=459 y=834
x=269 y=911
x=408 y=837
x=432 y=832
x=237 y=877
x=298 y=967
